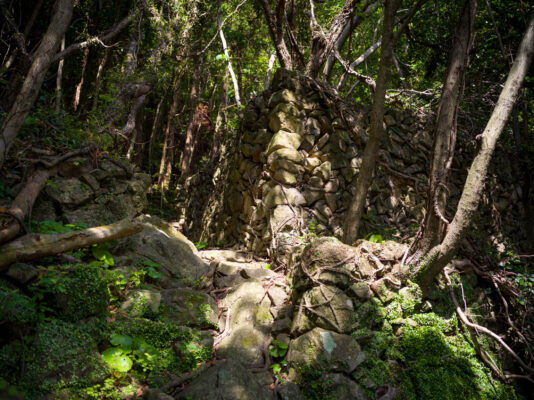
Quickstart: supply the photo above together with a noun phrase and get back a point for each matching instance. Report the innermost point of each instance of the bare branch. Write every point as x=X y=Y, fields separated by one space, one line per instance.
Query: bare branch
x=96 y=40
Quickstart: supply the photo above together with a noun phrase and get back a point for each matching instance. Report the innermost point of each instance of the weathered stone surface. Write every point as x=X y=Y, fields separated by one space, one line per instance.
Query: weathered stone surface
x=227 y=380
x=341 y=387
x=161 y=243
x=332 y=308
x=72 y=192
x=323 y=171
x=285 y=117
x=325 y=349
x=142 y=302
x=278 y=195
x=250 y=323
x=282 y=96
x=22 y=273
x=191 y=307
x=283 y=218
x=286 y=165
x=286 y=154
x=290 y=391
x=285 y=177
x=283 y=139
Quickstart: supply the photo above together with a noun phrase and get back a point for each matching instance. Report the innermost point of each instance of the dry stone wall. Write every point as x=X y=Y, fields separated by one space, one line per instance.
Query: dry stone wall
x=294 y=165
x=299 y=156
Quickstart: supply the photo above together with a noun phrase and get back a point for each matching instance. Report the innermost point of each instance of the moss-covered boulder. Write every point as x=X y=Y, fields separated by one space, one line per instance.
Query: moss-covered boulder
x=62 y=354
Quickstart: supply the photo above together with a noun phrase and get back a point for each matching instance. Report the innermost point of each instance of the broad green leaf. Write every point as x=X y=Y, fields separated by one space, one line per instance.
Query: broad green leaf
x=117 y=360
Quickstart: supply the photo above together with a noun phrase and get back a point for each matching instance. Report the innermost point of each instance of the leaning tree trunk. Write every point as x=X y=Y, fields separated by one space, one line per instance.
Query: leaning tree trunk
x=376 y=132
x=445 y=133
x=442 y=254
x=34 y=246
x=42 y=59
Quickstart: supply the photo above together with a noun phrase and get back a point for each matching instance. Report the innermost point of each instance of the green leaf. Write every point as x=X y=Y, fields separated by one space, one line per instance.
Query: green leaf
x=101 y=253
x=117 y=360
x=123 y=341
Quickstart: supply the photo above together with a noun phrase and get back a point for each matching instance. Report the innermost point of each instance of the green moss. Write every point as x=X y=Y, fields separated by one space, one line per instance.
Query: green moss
x=74 y=291
x=429 y=358
x=62 y=355
x=164 y=336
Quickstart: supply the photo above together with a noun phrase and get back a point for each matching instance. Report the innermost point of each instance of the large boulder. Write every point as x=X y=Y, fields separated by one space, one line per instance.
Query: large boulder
x=160 y=242
x=226 y=381
x=326 y=350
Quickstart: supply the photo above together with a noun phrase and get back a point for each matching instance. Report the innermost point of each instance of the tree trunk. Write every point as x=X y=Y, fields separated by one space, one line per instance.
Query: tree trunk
x=78 y=90
x=347 y=32
x=321 y=47
x=98 y=79
x=276 y=30
x=154 y=132
x=42 y=60
x=167 y=154
x=445 y=133
x=376 y=131
x=59 y=79
x=35 y=246
x=439 y=256
x=228 y=59
x=22 y=204
x=218 y=134
x=189 y=148
x=269 y=73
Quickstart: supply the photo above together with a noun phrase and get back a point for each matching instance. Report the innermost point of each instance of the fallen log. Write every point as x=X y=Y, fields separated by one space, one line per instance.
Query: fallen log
x=23 y=202
x=34 y=246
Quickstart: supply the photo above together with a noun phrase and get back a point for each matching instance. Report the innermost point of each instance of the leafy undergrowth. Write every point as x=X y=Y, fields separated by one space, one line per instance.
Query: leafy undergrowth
x=418 y=348
x=65 y=334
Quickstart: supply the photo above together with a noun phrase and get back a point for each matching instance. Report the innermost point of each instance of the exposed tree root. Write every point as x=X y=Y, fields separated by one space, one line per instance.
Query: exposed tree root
x=22 y=204
x=478 y=328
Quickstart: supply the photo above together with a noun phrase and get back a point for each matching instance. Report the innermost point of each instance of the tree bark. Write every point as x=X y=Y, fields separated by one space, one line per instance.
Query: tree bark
x=42 y=60
x=189 y=148
x=376 y=131
x=23 y=202
x=114 y=31
x=439 y=256
x=228 y=59
x=347 y=32
x=167 y=154
x=218 y=134
x=59 y=79
x=444 y=137
x=79 y=86
x=98 y=79
x=34 y=246
x=322 y=46
x=275 y=21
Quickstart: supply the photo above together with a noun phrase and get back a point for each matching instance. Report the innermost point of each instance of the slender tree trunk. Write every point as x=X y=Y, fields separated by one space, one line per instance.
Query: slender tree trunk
x=189 y=148
x=154 y=132
x=167 y=154
x=229 y=60
x=269 y=74
x=42 y=60
x=59 y=78
x=218 y=134
x=98 y=78
x=376 y=132
x=439 y=256
x=445 y=132
x=78 y=90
